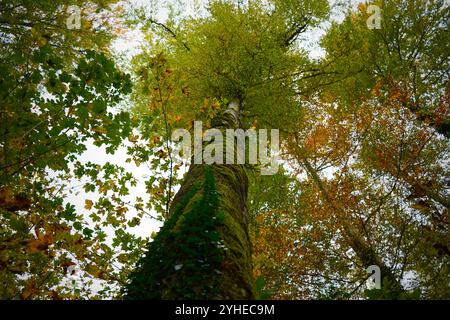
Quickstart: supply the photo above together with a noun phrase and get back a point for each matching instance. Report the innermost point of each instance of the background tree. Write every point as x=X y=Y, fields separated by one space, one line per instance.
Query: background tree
x=362 y=123
x=58 y=87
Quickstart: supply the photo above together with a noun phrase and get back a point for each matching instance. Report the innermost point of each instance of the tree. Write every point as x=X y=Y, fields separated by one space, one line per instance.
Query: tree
x=57 y=89
x=361 y=123
x=240 y=57
x=405 y=55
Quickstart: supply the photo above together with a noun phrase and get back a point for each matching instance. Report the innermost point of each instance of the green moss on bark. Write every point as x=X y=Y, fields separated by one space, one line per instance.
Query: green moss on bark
x=203 y=251
x=184 y=260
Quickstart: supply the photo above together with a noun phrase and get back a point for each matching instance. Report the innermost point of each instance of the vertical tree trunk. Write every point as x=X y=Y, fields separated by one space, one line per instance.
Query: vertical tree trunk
x=203 y=251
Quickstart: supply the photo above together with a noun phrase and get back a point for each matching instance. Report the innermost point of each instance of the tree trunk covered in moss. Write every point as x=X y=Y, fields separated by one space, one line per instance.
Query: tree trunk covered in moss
x=203 y=251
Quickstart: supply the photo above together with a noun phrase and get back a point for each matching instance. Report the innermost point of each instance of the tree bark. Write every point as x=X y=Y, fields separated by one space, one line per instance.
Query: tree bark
x=203 y=251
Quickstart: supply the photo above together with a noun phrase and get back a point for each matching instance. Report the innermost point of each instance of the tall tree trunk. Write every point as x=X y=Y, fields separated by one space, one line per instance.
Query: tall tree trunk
x=203 y=251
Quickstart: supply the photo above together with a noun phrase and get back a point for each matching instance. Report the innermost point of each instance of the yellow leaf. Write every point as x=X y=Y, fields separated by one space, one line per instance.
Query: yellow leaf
x=100 y=130
x=88 y=204
x=133 y=138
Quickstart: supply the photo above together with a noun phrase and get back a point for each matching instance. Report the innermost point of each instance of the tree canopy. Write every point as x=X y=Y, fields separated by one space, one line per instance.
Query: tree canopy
x=364 y=146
